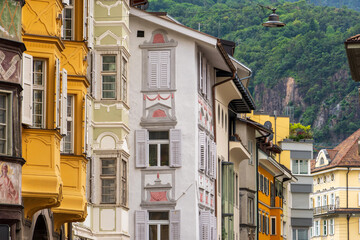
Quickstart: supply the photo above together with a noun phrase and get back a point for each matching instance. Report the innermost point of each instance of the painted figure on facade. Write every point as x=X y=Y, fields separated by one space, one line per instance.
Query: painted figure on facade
x=8 y=193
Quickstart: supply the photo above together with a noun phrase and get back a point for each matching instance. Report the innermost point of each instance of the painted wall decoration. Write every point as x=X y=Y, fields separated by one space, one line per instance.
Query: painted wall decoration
x=10 y=183
x=206 y=191
x=205 y=115
x=159 y=108
x=9 y=66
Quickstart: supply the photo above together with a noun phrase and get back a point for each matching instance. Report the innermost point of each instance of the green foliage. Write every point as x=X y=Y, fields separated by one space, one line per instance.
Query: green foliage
x=300 y=132
x=310 y=48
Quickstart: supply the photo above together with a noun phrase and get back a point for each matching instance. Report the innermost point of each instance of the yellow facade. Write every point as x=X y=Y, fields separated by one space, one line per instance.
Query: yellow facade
x=52 y=179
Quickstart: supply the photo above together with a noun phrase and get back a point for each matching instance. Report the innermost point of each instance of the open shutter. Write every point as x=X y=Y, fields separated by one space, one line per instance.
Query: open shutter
x=140 y=225
x=86 y=128
x=214 y=156
x=174 y=224
x=164 y=69
x=205 y=225
x=57 y=97
x=142 y=147
x=175 y=148
x=204 y=76
x=200 y=72
x=85 y=16
x=93 y=76
x=201 y=150
x=27 y=93
x=214 y=231
x=153 y=77
x=63 y=128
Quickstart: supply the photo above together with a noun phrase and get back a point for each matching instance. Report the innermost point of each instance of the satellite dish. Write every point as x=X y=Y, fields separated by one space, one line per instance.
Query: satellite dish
x=268 y=125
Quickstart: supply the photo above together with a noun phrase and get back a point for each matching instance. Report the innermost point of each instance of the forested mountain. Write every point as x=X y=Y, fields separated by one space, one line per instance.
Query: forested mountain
x=300 y=69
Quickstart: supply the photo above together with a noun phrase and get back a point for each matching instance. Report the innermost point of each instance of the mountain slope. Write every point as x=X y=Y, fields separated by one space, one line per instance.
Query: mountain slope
x=304 y=61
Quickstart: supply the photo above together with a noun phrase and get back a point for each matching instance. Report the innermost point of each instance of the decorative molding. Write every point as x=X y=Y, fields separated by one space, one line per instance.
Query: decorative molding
x=119 y=40
x=109 y=7
x=117 y=105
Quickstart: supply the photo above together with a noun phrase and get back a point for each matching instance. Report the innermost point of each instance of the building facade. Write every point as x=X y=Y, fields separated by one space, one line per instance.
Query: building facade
x=11 y=161
x=336 y=192
x=54 y=95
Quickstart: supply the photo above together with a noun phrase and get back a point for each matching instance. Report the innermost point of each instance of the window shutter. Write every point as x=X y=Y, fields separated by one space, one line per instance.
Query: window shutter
x=204 y=75
x=142 y=147
x=153 y=69
x=204 y=225
x=93 y=76
x=85 y=15
x=174 y=224
x=200 y=72
x=175 y=147
x=213 y=227
x=140 y=225
x=208 y=77
x=201 y=150
x=164 y=69
x=57 y=97
x=88 y=133
x=214 y=156
x=63 y=128
x=359 y=198
x=27 y=93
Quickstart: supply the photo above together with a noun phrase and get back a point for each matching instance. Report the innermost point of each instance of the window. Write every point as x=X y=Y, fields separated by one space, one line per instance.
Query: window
x=264 y=223
x=324 y=227
x=332 y=199
x=318 y=201
x=317 y=228
x=300 y=167
x=331 y=227
x=273 y=225
x=5 y=124
x=108 y=76
x=322 y=161
x=250 y=210
x=38 y=93
x=324 y=200
x=124 y=183
x=250 y=149
x=159 y=69
x=236 y=190
x=261 y=182
x=69 y=138
x=300 y=234
x=124 y=66
x=259 y=221
x=108 y=180
x=159 y=148
x=68 y=21
x=267 y=225
x=159 y=225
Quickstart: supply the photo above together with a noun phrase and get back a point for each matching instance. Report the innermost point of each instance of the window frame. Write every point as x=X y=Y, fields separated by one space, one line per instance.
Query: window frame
x=331 y=226
x=70 y=130
x=159 y=143
x=70 y=6
x=250 y=210
x=124 y=78
x=158 y=223
x=105 y=73
x=41 y=88
x=297 y=163
x=8 y=122
x=271 y=225
x=325 y=228
x=316 y=228
x=106 y=177
x=124 y=176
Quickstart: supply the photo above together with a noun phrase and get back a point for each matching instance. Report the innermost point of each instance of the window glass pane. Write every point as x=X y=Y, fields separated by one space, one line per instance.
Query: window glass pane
x=164 y=232
x=2 y=132
x=302 y=234
x=2 y=146
x=295 y=166
x=153 y=154
x=164 y=148
x=2 y=101
x=109 y=63
x=108 y=167
x=152 y=232
x=108 y=190
x=273 y=226
x=294 y=234
x=303 y=166
x=159 y=135
x=158 y=215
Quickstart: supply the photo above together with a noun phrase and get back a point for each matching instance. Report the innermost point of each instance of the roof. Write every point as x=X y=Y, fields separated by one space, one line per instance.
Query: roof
x=264 y=131
x=346 y=154
x=355 y=38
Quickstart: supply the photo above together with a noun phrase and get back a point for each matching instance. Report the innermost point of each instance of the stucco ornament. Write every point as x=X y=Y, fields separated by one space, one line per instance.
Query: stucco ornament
x=108 y=7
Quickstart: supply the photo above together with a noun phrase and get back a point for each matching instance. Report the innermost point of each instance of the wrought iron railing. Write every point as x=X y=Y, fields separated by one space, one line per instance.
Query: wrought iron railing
x=324 y=209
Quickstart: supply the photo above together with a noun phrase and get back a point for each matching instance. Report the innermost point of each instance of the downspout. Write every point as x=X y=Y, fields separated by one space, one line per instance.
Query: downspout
x=347 y=202
x=257 y=190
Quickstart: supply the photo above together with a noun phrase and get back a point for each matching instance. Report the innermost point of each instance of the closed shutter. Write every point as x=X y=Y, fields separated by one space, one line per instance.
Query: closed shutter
x=205 y=225
x=214 y=156
x=140 y=225
x=142 y=146
x=175 y=148
x=153 y=69
x=63 y=128
x=93 y=76
x=202 y=150
x=88 y=131
x=174 y=224
x=200 y=72
x=204 y=76
x=27 y=85
x=86 y=125
x=214 y=231
x=57 y=96
x=164 y=69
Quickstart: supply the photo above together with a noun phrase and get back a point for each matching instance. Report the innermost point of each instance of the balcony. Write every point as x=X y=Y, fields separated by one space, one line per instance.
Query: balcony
x=73 y=205
x=41 y=180
x=327 y=209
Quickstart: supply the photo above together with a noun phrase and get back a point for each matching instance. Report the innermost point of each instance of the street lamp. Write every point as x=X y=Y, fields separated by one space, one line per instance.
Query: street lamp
x=273 y=19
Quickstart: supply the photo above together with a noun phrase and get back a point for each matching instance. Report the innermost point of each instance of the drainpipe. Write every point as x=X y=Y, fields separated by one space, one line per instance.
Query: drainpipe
x=257 y=190
x=347 y=202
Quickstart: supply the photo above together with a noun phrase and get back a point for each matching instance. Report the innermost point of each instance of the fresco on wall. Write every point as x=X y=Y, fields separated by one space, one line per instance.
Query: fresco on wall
x=10 y=184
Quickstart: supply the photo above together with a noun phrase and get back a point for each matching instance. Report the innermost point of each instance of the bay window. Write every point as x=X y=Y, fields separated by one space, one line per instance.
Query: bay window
x=108 y=76
x=108 y=180
x=300 y=167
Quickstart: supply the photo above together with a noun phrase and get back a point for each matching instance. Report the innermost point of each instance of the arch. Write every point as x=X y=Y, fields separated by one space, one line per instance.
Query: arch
x=107 y=140
x=40 y=229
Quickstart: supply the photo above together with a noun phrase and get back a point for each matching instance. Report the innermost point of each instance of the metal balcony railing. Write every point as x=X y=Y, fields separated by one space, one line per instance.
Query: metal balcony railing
x=324 y=209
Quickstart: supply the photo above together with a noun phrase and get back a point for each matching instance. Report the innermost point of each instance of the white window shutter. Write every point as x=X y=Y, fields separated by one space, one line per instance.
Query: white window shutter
x=63 y=127
x=202 y=150
x=164 y=69
x=175 y=224
x=153 y=78
x=205 y=225
x=208 y=77
x=85 y=16
x=142 y=148
x=200 y=72
x=88 y=132
x=141 y=225
x=27 y=85
x=204 y=75
x=57 y=97
x=94 y=84
x=85 y=125
x=175 y=148
x=214 y=231
x=214 y=162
